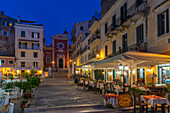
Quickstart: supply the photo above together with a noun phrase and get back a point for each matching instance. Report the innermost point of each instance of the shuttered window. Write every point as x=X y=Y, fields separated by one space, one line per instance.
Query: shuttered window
x=163 y=23
x=123 y=12
x=106 y=51
x=140 y=34
x=114 y=47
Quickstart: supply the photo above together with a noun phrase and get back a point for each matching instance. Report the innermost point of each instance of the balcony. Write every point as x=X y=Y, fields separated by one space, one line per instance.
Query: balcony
x=134 y=13
x=85 y=49
x=95 y=39
x=135 y=48
x=93 y=55
x=29 y=47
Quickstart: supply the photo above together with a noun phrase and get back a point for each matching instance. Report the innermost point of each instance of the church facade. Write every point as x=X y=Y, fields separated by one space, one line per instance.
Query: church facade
x=58 y=54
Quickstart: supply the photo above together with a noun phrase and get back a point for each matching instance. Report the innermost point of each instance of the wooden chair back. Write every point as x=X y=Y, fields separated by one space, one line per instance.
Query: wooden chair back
x=137 y=100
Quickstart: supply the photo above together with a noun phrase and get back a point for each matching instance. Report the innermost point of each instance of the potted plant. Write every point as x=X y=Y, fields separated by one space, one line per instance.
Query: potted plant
x=116 y=84
x=169 y=87
x=23 y=104
x=115 y=92
x=11 y=78
x=150 y=84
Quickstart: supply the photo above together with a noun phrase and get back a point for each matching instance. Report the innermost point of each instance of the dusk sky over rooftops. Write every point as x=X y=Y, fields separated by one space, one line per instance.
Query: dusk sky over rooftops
x=55 y=15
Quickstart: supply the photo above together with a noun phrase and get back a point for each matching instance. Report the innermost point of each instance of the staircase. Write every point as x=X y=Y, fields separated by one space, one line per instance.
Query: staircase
x=61 y=74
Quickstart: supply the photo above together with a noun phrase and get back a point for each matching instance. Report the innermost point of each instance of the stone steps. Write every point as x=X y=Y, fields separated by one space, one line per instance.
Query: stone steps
x=60 y=74
x=89 y=108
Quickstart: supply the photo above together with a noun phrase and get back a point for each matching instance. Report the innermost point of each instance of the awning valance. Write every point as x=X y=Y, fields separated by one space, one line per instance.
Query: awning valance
x=139 y=59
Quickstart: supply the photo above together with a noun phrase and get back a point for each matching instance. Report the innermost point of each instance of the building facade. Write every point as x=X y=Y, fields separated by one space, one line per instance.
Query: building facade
x=7 y=40
x=58 y=53
x=7 y=43
x=7 y=65
x=29 y=47
x=137 y=26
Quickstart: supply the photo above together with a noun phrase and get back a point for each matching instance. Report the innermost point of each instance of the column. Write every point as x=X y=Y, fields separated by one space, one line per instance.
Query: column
x=106 y=75
x=68 y=69
x=93 y=75
x=131 y=75
x=72 y=68
x=135 y=76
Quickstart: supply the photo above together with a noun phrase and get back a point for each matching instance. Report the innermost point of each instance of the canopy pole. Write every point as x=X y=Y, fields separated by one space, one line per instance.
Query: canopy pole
x=131 y=71
x=106 y=74
x=93 y=74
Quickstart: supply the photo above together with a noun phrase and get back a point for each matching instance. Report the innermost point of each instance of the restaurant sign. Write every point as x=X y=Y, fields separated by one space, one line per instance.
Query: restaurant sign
x=125 y=100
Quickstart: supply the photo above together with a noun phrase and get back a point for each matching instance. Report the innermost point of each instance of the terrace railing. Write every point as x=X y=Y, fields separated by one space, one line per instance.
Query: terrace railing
x=134 y=9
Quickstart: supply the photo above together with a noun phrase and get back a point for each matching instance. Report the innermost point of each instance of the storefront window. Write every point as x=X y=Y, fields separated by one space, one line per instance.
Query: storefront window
x=164 y=74
x=141 y=75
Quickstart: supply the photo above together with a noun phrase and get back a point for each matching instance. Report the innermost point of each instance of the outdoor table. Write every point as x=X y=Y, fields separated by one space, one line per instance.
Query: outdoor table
x=98 y=85
x=143 y=88
x=118 y=89
x=101 y=86
x=81 y=81
x=111 y=99
x=91 y=84
x=154 y=100
x=86 y=83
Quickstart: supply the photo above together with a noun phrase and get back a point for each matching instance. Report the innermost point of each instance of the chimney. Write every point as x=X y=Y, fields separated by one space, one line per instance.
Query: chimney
x=2 y=12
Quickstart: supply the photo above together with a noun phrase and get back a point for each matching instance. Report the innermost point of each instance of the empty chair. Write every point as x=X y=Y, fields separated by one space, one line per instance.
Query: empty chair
x=20 y=95
x=4 y=102
x=13 y=96
x=10 y=108
x=138 y=102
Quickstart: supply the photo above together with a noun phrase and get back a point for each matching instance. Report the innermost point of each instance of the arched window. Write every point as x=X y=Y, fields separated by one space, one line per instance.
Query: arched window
x=48 y=59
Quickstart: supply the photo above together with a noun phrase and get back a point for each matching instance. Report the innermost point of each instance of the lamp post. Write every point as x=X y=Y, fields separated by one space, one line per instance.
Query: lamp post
x=84 y=77
x=53 y=68
x=124 y=69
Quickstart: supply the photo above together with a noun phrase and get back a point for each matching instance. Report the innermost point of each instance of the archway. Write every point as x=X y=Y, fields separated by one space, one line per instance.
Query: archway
x=60 y=63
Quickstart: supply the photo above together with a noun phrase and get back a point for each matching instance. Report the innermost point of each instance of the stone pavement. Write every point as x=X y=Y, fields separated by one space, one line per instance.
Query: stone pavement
x=61 y=95
x=57 y=92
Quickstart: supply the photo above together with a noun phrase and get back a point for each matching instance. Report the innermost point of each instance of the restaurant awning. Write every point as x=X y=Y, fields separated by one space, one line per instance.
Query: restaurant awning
x=138 y=59
x=86 y=65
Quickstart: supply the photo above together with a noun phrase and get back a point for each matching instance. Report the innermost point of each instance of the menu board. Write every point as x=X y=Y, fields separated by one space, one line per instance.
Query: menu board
x=125 y=100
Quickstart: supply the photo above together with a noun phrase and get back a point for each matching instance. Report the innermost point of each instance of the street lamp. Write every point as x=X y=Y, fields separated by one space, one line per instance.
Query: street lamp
x=124 y=69
x=53 y=68
x=84 y=77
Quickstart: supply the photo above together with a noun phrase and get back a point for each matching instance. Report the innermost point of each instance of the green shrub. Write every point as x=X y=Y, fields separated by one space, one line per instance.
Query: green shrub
x=99 y=75
x=24 y=102
x=169 y=87
x=27 y=96
x=35 y=82
x=135 y=90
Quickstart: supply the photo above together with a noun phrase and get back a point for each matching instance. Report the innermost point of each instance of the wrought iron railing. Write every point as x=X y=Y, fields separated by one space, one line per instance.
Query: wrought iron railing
x=135 y=47
x=94 y=38
x=134 y=9
x=29 y=47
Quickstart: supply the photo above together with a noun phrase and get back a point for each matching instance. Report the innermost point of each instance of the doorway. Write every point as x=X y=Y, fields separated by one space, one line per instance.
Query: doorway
x=60 y=63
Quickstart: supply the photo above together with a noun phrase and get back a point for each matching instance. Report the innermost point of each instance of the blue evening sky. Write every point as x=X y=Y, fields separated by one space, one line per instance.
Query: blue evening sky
x=55 y=15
